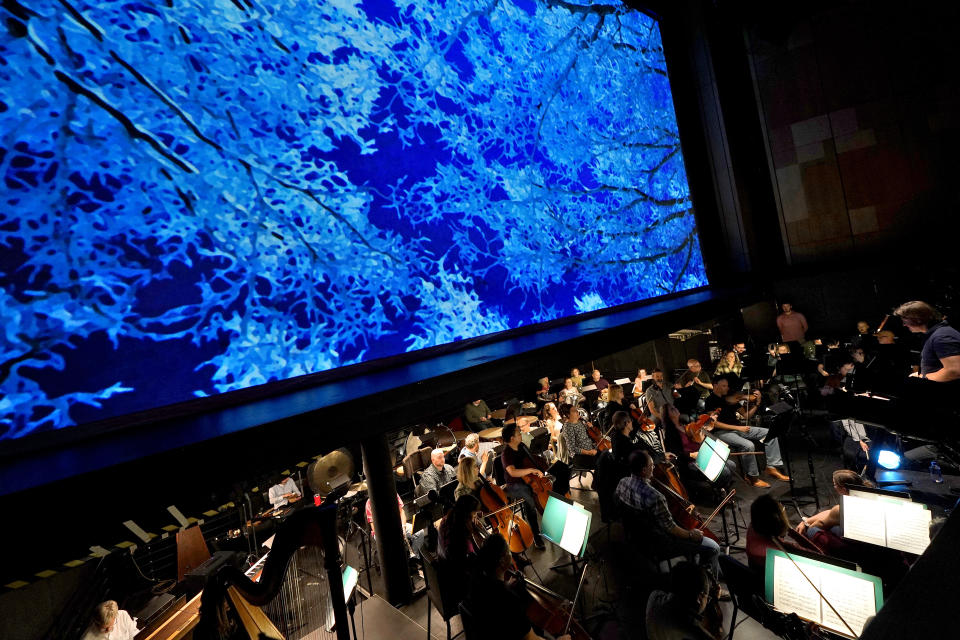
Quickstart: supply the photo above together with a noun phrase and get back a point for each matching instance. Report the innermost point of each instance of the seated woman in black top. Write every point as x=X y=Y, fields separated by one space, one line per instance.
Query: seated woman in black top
x=498 y=607
x=459 y=533
x=623 y=438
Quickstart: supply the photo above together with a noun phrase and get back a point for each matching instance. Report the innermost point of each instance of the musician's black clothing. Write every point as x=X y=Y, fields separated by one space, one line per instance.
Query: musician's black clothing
x=497 y=611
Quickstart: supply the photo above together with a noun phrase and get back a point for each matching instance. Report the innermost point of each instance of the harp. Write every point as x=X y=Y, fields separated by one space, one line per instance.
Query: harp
x=272 y=604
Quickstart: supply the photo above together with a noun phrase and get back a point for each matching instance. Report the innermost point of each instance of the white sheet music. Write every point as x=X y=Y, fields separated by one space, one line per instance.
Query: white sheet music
x=622 y=381
x=574 y=531
x=887 y=521
x=589 y=387
x=853 y=599
x=908 y=527
x=863 y=520
x=791 y=591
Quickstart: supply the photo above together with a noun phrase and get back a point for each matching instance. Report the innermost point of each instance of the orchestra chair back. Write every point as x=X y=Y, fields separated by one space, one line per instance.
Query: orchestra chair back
x=443 y=592
x=639 y=529
x=414 y=464
x=605 y=480
x=471 y=629
x=499 y=473
x=745 y=585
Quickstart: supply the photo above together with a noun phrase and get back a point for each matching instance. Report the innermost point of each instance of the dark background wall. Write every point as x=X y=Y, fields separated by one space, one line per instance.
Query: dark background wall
x=859 y=107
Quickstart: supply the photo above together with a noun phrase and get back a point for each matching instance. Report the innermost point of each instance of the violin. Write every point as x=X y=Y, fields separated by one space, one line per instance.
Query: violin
x=678 y=500
x=514 y=529
x=695 y=429
x=550 y=611
x=600 y=440
x=645 y=423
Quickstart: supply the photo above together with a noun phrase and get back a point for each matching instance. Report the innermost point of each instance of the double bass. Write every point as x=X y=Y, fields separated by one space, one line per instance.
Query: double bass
x=514 y=529
x=550 y=611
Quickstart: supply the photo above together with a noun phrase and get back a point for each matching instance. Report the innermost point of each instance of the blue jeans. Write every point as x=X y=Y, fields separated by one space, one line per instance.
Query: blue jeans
x=739 y=443
x=707 y=551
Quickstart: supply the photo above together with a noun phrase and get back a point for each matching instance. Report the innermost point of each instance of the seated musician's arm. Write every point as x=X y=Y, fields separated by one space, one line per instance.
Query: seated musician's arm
x=950 y=371
x=825 y=519
x=519 y=473
x=653 y=409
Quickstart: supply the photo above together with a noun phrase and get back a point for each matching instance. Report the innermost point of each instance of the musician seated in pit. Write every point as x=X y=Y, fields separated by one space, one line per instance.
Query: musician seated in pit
x=283 y=493
x=829 y=519
x=543 y=391
x=678 y=614
x=496 y=600
x=477 y=416
x=864 y=337
x=685 y=451
x=940 y=356
x=768 y=530
x=111 y=623
x=459 y=535
x=414 y=540
x=615 y=403
x=624 y=438
x=576 y=377
x=471 y=449
x=640 y=383
x=570 y=394
x=698 y=381
x=658 y=395
x=468 y=477
x=436 y=475
x=576 y=440
x=598 y=381
x=551 y=421
x=635 y=492
x=727 y=427
x=517 y=464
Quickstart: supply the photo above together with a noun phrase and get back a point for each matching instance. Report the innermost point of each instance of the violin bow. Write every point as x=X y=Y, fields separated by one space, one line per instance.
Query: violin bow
x=573 y=604
x=720 y=506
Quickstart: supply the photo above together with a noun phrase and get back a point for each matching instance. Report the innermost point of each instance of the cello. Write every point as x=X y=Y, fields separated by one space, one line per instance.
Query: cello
x=541 y=485
x=514 y=529
x=678 y=500
x=551 y=611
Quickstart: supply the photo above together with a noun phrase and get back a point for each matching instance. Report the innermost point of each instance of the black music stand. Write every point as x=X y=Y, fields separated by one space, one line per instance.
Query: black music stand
x=783 y=423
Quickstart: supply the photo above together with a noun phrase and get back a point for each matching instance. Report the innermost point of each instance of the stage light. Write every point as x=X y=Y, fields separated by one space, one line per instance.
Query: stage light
x=888 y=459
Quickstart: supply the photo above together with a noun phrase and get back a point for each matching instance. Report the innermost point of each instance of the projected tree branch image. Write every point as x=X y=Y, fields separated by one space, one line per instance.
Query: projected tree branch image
x=207 y=196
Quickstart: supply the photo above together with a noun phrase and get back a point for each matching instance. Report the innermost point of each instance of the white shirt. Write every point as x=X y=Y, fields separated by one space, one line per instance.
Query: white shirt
x=125 y=628
x=277 y=492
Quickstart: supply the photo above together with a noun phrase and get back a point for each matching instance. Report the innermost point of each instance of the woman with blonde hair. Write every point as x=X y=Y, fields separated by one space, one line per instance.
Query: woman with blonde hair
x=111 y=623
x=468 y=477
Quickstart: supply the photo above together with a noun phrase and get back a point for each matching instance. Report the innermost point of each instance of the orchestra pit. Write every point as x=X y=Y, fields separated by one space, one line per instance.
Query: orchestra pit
x=558 y=319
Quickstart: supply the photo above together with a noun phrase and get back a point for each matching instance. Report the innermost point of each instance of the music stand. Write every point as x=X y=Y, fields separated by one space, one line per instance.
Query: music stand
x=567 y=525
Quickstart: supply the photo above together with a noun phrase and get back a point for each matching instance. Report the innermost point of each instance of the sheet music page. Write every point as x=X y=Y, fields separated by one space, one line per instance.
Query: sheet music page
x=589 y=387
x=714 y=466
x=908 y=527
x=486 y=446
x=852 y=597
x=574 y=531
x=864 y=520
x=791 y=591
x=622 y=381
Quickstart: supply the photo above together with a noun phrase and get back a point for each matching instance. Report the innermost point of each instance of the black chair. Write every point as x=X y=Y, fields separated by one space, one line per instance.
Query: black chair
x=444 y=592
x=581 y=464
x=499 y=473
x=471 y=629
x=606 y=478
x=640 y=530
x=540 y=441
x=745 y=586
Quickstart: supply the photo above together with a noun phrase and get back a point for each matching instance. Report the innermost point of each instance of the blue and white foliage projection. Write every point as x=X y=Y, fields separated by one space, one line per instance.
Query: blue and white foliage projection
x=201 y=196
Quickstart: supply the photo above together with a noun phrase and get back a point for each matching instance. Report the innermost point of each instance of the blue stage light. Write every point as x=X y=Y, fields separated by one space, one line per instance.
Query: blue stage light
x=888 y=459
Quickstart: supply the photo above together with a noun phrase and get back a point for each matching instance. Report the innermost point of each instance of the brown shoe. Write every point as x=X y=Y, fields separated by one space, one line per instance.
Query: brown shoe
x=756 y=482
x=776 y=473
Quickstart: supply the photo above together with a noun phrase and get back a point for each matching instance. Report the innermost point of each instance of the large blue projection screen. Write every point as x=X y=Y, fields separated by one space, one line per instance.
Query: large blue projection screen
x=206 y=196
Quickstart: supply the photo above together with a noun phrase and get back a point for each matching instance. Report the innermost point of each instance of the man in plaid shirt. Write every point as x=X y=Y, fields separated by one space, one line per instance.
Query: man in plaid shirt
x=634 y=492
